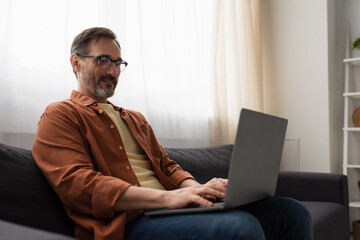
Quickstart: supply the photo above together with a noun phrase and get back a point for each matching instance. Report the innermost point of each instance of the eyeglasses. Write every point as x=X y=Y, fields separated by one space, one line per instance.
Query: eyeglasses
x=105 y=62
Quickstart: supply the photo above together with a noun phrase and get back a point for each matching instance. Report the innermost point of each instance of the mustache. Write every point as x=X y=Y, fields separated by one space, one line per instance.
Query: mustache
x=106 y=77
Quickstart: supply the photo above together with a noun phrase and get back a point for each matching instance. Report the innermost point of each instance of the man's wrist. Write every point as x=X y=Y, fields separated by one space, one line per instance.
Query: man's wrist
x=188 y=182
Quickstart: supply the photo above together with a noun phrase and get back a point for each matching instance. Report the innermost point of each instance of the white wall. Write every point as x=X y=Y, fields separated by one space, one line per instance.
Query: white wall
x=296 y=75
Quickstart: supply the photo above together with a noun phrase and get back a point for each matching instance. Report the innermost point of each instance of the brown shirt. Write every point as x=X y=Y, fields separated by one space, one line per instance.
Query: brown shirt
x=81 y=154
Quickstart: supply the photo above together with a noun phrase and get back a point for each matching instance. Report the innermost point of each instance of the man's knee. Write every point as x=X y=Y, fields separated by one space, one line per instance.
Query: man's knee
x=301 y=217
x=294 y=210
x=235 y=224
x=282 y=216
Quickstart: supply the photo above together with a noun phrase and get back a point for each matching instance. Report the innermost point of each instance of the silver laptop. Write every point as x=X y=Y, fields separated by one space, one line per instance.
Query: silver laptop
x=254 y=165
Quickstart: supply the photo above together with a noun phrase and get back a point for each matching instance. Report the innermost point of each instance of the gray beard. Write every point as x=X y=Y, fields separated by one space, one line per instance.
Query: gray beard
x=102 y=93
x=97 y=91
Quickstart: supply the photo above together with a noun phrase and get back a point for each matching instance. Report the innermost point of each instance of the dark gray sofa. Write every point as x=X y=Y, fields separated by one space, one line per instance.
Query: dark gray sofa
x=27 y=199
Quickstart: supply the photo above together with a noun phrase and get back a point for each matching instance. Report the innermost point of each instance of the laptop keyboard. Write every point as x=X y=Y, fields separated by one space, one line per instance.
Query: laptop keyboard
x=196 y=205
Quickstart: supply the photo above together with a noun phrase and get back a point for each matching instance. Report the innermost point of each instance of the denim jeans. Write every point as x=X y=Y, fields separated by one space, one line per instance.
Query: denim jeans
x=273 y=218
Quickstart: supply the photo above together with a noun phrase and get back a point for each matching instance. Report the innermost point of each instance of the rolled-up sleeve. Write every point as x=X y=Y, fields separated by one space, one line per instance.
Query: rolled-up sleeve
x=173 y=170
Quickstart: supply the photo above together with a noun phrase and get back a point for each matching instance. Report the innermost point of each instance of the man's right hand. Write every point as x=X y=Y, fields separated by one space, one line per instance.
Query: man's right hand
x=139 y=198
x=199 y=194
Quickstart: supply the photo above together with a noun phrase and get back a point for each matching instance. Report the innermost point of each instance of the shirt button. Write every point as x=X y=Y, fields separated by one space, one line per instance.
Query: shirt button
x=100 y=111
x=112 y=126
x=121 y=147
x=128 y=167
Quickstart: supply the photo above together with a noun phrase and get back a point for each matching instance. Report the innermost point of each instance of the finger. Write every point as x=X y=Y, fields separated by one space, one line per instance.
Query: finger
x=217 y=185
x=224 y=181
x=202 y=201
x=207 y=190
x=210 y=198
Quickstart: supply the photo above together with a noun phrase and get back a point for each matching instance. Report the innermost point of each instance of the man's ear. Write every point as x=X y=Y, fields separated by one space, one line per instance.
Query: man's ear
x=74 y=59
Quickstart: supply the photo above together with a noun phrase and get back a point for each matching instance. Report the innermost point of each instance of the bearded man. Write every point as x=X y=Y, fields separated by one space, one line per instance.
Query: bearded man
x=107 y=167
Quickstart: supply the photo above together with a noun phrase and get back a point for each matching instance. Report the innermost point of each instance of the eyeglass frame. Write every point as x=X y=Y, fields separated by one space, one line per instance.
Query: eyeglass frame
x=98 y=58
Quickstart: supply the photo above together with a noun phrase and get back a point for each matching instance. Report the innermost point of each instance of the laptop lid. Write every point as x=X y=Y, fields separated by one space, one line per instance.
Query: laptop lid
x=256 y=157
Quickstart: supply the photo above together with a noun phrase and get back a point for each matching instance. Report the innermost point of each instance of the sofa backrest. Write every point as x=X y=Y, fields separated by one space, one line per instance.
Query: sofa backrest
x=26 y=197
x=203 y=163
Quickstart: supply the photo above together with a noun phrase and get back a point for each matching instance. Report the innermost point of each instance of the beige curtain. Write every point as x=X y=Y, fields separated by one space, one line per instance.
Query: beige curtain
x=237 y=65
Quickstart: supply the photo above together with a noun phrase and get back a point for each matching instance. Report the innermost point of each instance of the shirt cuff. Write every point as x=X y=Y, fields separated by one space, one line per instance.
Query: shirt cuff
x=106 y=193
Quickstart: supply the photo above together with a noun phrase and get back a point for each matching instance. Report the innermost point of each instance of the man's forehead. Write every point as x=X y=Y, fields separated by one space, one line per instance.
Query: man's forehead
x=104 y=46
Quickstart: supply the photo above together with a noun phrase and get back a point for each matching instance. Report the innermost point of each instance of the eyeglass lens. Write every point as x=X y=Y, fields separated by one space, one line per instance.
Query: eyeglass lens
x=106 y=62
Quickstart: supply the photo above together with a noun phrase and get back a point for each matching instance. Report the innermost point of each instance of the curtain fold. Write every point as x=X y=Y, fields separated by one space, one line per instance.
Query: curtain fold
x=237 y=66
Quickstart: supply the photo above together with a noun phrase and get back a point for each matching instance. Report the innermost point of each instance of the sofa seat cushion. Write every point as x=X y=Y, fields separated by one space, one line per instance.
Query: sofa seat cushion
x=13 y=231
x=26 y=198
x=328 y=217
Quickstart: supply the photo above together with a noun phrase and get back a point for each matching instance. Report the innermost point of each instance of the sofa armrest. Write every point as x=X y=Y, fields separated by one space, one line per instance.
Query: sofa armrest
x=308 y=186
x=26 y=198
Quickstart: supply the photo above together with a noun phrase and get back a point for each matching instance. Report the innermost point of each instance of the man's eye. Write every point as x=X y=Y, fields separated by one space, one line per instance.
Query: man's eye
x=104 y=60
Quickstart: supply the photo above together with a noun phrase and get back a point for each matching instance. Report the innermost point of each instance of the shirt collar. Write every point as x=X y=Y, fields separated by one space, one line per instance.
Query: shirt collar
x=87 y=101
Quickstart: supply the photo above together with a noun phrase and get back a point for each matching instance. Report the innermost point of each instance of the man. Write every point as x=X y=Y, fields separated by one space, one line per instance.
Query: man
x=107 y=167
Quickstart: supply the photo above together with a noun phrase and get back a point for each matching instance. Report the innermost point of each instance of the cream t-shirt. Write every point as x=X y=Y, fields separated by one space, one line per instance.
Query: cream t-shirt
x=139 y=161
